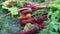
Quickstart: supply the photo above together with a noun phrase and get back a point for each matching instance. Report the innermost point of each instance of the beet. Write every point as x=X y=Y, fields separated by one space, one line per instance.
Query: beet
x=40 y=21
x=41 y=26
x=35 y=8
x=26 y=11
x=31 y=22
x=24 y=22
x=36 y=20
x=32 y=6
x=32 y=30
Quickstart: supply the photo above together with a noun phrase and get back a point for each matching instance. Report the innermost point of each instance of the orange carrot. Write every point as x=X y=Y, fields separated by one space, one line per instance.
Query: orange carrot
x=28 y=16
x=20 y=16
x=24 y=17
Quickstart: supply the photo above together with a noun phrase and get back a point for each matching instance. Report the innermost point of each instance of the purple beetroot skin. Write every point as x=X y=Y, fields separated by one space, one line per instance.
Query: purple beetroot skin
x=26 y=11
x=32 y=30
x=36 y=20
x=24 y=22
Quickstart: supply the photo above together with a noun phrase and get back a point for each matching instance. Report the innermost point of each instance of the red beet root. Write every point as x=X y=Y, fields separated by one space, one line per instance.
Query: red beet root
x=40 y=21
x=33 y=30
x=32 y=6
x=31 y=22
x=26 y=11
x=41 y=26
x=24 y=22
x=35 y=8
x=36 y=19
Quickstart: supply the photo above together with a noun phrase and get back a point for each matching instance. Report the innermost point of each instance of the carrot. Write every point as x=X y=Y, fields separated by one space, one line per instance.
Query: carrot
x=20 y=16
x=24 y=17
x=28 y=16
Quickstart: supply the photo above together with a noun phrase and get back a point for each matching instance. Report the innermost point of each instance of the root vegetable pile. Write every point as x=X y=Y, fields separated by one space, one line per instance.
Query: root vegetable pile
x=32 y=18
